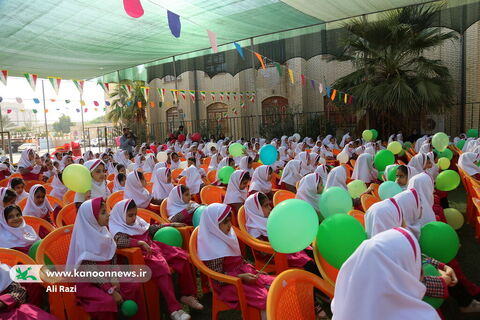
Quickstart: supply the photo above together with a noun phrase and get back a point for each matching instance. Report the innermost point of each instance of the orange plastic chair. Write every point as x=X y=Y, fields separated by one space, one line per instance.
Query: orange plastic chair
x=111 y=176
x=13 y=257
x=51 y=199
x=368 y=200
x=206 y=161
x=280 y=260
x=16 y=175
x=352 y=162
x=114 y=198
x=48 y=187
x=336 y=152
x=212 y=194
x=212 y=176
x=204 y=167
x=183 y=181
x=218 y=305
x=149 y=186
x=69 y=197
x=30 y=183
x=282 y=195
x=176 y=173
x=4 y=182
x=110 y=186
x=185 y=231
x=375 y=189
x=291 y=295
x=163 y=210
x=67 y=215
x=255 y=165
x=328 y=272
x=36 y=223
x=50 y=180
x=148 y=176
x=476 y=203
x=400 y=162
x=359 y=215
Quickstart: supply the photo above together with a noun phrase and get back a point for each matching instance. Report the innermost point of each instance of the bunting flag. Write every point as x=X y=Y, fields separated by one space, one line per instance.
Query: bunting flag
x=234 y=96
x=46 y=110
x=279 y=68
x=252 y=97
x=9 y=111
x=34 y=110
x=202 y=95
x=36 y=100
x=67 y=101
x=53 y=100
x=242 y=97
x=152 y=104
x=3 y=76
x=320 y=87
x=213 y=40
x=129 y=103
x=228 y=95
x=85 y=110
x=329 y=92
x=212 y=95
x=260 y=58
x=96 y=103
x=161 y=93
x=174 y=23
x=82 y=103
x=239 y=50
x=242 y=105
x=32 y=80
x=302 y=77
x=350 y=99
x=183 y=93
x=145 y=92
x=192 y=95
x=334 y=93
x=312 y=82
x=78 y=110
x=19 y=99
x=107 y=103
x=345 y=98
x=127 y=88
x=290 y=73
x=172 y=91
x=139 y=104
x=55 y=82
x=79 y=85
x=104 y=86
x=221 y=95
x=234 y=110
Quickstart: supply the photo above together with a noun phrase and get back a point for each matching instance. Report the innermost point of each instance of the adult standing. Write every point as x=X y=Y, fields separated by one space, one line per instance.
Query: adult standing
x=127 y=141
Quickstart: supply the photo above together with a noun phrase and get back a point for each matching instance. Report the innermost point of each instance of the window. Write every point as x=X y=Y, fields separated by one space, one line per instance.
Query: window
x=274 y=110
x=174 y=118
x=217 y=122
x=215 y=63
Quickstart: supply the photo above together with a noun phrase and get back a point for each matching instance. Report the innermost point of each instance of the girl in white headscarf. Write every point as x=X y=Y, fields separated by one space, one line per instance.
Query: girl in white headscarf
x=364 y=169
x=149 y=163
x=194 y=179
x=262 y=180
x=423 y=183
x=88 y=155
x=129 y=230
x=246 y=164
x=322 y=171
x=309 y=190
x=382 y=216
x=37 y=203
x=282 y=152
x=219 y=249
x=180 y=208
x=345 y=140
x=16 y=234
x=135 y=188
x=18 y=185
x=337 y=178
x=174 y=161
x=305 y=167
x=403 y=174
x=381 y=280
x=139 y=161
x=214 y=161
x=291 y=175
x=28 y=166
x=409 y=204
x=420 y=162
x=58 y=188
x=467 y=162
x=419 y=143
x=162 y=183
x=99 y=186
x=99 y=300
x=122 y=157
x=237 y=189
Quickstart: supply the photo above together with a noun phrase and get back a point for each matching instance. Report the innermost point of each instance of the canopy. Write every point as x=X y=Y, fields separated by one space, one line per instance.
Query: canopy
x=80 y=39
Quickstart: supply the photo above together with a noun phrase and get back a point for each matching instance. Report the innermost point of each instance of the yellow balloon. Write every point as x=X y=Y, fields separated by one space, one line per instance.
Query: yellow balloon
x=395 y=147
x=443 y=163
x=77 y=177
x=454 y=217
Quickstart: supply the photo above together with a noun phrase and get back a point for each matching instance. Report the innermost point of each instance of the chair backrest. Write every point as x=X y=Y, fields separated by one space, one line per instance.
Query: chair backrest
x=16 y=175
x=149 y=186
x=36 y=223
x=69 y=197
x=204 y=167
x=114 y=198
x=282 y=195
x=150 y=216
x=212 y=176
x=111 y=176
x=359 y=215
x=206 y=161
x=55 y=246
x=13 y=257
x=368 y=200
x=48 y=187
x=183 y=180
x=67 y=215
x=176 y=173
x=30 y=183
x=110 y=186
x=255 y=165
x=51 y=199
x=212 y=194
x=148 y=176
x=50 y=180
x=4 y=182
x=291 y=295
x=352 y=162
x=163 y=209
x=328 y=272
x=375 y=187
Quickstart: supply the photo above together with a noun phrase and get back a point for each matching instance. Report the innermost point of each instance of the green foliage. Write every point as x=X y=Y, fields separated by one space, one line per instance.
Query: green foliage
x=101 y=119
x=63 y=124
x=6 y=122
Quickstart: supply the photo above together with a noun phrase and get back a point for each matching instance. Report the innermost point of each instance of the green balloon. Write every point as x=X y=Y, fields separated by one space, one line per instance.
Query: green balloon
x=129 y=308
x=447 y=153
x=472 y=133
x=383 y=158
x=392 y=174
x=447 y=180
x=170 y=236
x=338 y=237
x=439 y=241
x=225 y=173
x=32 y=252
x=374 y=134
x=197 y=215
x=460 y=144
x=367 y=135
x=292 y=226
x=236 y=149
x=402 y=153
x=77 y=177
x=429 y=270
x=407 y=145
x=334 y=200
x=356 y=188
x=440 y=141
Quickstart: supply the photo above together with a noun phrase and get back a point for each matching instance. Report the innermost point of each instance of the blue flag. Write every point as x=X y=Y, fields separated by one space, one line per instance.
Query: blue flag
x=174 y=23
x=240 y=50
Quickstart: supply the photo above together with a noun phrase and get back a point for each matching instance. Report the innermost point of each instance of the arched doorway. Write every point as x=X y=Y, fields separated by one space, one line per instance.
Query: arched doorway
x=274 y=109
x=217 y=121
x=174 y=119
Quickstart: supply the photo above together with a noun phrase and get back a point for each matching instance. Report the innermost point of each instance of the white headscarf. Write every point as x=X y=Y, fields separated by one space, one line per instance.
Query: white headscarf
x=20 y=237
x=194 y=180
x=256 y=222
x=363 y=169
x=383 y=215
x=409 y=204
x=307 y=190
x=99 y=189
x=426 y=147
x=212 y=242
x=118 y=218
x=5 y=279
x=283 y=154
x=234 y=194
x=214 y=162
x=161 y=188
x=175 y=203
x=259 y=180
x=58 y=188
x=322 y=172
x=89 y=241
x=344 y=139
x=424 y=185
x=24 y=162
x=467 y=163
x=121 y=158
x=135 y=190
x=305 y=167
x=419 y=143
x=418 y=162
x=337 y=178
x=149 y=163
x=244 y=165
x=326 y=140
x=88 y=154
x=31 y=209
x=381 y=280
x=138 y=162
x=291 y=173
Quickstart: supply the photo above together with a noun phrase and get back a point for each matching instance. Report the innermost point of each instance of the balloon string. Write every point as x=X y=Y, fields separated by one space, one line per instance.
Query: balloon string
x=268 y=261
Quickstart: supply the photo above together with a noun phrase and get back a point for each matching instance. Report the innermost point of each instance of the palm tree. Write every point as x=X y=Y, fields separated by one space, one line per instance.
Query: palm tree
x=7 y=122
x=392 y=78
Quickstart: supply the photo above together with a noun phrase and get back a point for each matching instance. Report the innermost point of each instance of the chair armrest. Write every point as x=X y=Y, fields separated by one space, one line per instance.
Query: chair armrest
x=134 y=255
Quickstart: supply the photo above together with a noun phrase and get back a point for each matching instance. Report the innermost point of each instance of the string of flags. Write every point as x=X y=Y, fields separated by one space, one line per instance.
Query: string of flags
x=205 y=95
x=82 y=103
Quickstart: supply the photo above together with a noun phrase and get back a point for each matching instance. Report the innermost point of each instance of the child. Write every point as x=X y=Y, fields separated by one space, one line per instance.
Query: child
x=194 y=177
x=323 y=170
x=409 y=204
x=87 y=156
x=420 y=162
x=149 y=163
x=174 y=161
x=218 y=248
x=291 y=175
x=99 y=185
x=139 y=162
x=119 y=182
x=58 y=188
x=4 y=170
x=364 y=169
x=180 y=208
x=130 y=230
x=29 y=167
x=162 y=183
x=66 y=161
x=381 y=280
x=309 y=190
x=305 y=167
x=403 y=175
x=237 y=189
x=8 y=195
x=226 y=161
x=424 y=185
x=382 y=216
x=18 y=185
x=261 y=181
x=100 y=299
x=135 y=188
x=468 y=163
x=337 y=178
x=38 y=205
x=50 y=169
x=16 y=234
x=246 y=165
x=214 y=161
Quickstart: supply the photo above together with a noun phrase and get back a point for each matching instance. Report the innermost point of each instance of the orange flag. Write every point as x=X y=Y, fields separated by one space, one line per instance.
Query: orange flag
x=260 y=58
x=334 y=94
x=152 y=104
x=139 y=104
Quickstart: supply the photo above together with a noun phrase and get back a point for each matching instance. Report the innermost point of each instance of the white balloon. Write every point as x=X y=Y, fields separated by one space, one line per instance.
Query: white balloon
x=343 y=157
x=162 y=156
x=297 y=136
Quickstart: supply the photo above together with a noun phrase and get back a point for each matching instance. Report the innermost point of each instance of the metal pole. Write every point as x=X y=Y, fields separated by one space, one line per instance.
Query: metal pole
x=83 y=124
x=9 y=146
x=45 y=115
x=175 y=93
x=1 y=127
x=257 y=111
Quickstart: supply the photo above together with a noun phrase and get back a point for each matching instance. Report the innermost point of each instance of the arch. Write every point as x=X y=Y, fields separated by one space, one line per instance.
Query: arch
x=174 y=117
x=217 y=120
x=274 y=109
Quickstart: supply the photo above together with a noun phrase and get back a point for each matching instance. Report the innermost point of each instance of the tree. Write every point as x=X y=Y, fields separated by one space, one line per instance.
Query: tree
x=392 y=77
x=6 y=122
x=63 y=125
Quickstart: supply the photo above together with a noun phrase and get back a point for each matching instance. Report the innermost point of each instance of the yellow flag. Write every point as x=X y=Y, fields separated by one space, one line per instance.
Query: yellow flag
x=290 y=73
x=82 y=103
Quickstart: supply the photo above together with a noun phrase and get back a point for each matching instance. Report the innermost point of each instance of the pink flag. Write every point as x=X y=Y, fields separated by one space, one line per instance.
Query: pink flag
x=213 y=40
x=133 y=8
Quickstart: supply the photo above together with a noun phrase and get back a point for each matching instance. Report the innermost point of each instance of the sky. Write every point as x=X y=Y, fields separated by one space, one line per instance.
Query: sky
x=19 y=87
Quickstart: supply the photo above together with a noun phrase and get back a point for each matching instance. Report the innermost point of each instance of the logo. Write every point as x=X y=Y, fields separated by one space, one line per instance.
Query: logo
x=25 y=273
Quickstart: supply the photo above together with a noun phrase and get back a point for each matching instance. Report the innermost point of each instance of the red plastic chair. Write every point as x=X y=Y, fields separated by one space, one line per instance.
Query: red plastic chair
x=212 y=194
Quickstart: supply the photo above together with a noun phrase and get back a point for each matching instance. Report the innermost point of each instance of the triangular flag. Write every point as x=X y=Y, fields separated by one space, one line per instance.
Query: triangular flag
x=320 y=87
x=85 y=110
x=312 y=82
x=104 y=86
x=345 y=98
x=79 y=85
x=32 y=80
x=252 y=97
x=234 y=96
x=192 y=95
x=104 y=109
x=279 y=68
x=260 y=58
x=46 y=110
x=212 y=95
x=329 y=91
x=9 y=110
x=34 y=110
x=96 y=103
x=129 y=103
x=174 y=23
x=55 y=82
x=173 y=92
x=302 y=77
x=221 y=95
x=107 y=103
x=67 y=101
x=36 y=100
x=82 y=103
x=133 y=8
x=202 y=95
x=3 y=76
x=241 y=96
x=333 y=94
x=19 y=99
x=127 y=88
x=161 y=92
x=145 y=92
x=242 y=105
x=78 y=110
x=139 y=104
x=213 y=40
x=239 y=49
x=53 y=100
x=290 y=73
x=152 y=104
x=350 y=99
x=184 y=96
x=228 y=95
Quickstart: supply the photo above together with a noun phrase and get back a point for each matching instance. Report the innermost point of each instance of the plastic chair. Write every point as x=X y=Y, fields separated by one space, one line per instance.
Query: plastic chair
x=206 y=161
x=336 y=152
x=114 y=198
x=48 y=187
x=212 y=194
x=13 y=257
x=4 y=182
x=328 y=272
x=30 y=183
x=68 y=197
x=36 y=223
x=111 y=176
x=185 y=231
x=218 y=305
x=16 y=175
x=291 y=295
x=163 y=210
x=147 y=176
x=255 y=165
x=204 y=167
x=183 y=181
x=50 y=180
x=476 y=203
x=280 y=259
x=368 y=200
x=282 y=195
x=110 y=186
x=176 y=173
x=352 y=162
x=212 y=176
x=359 y=215
x=400 y=162
x=67 y=215
x=375 y=189
x=149 y=186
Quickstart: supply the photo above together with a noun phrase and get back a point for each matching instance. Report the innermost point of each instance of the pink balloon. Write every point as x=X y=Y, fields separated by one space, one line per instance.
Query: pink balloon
x=133 y=8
